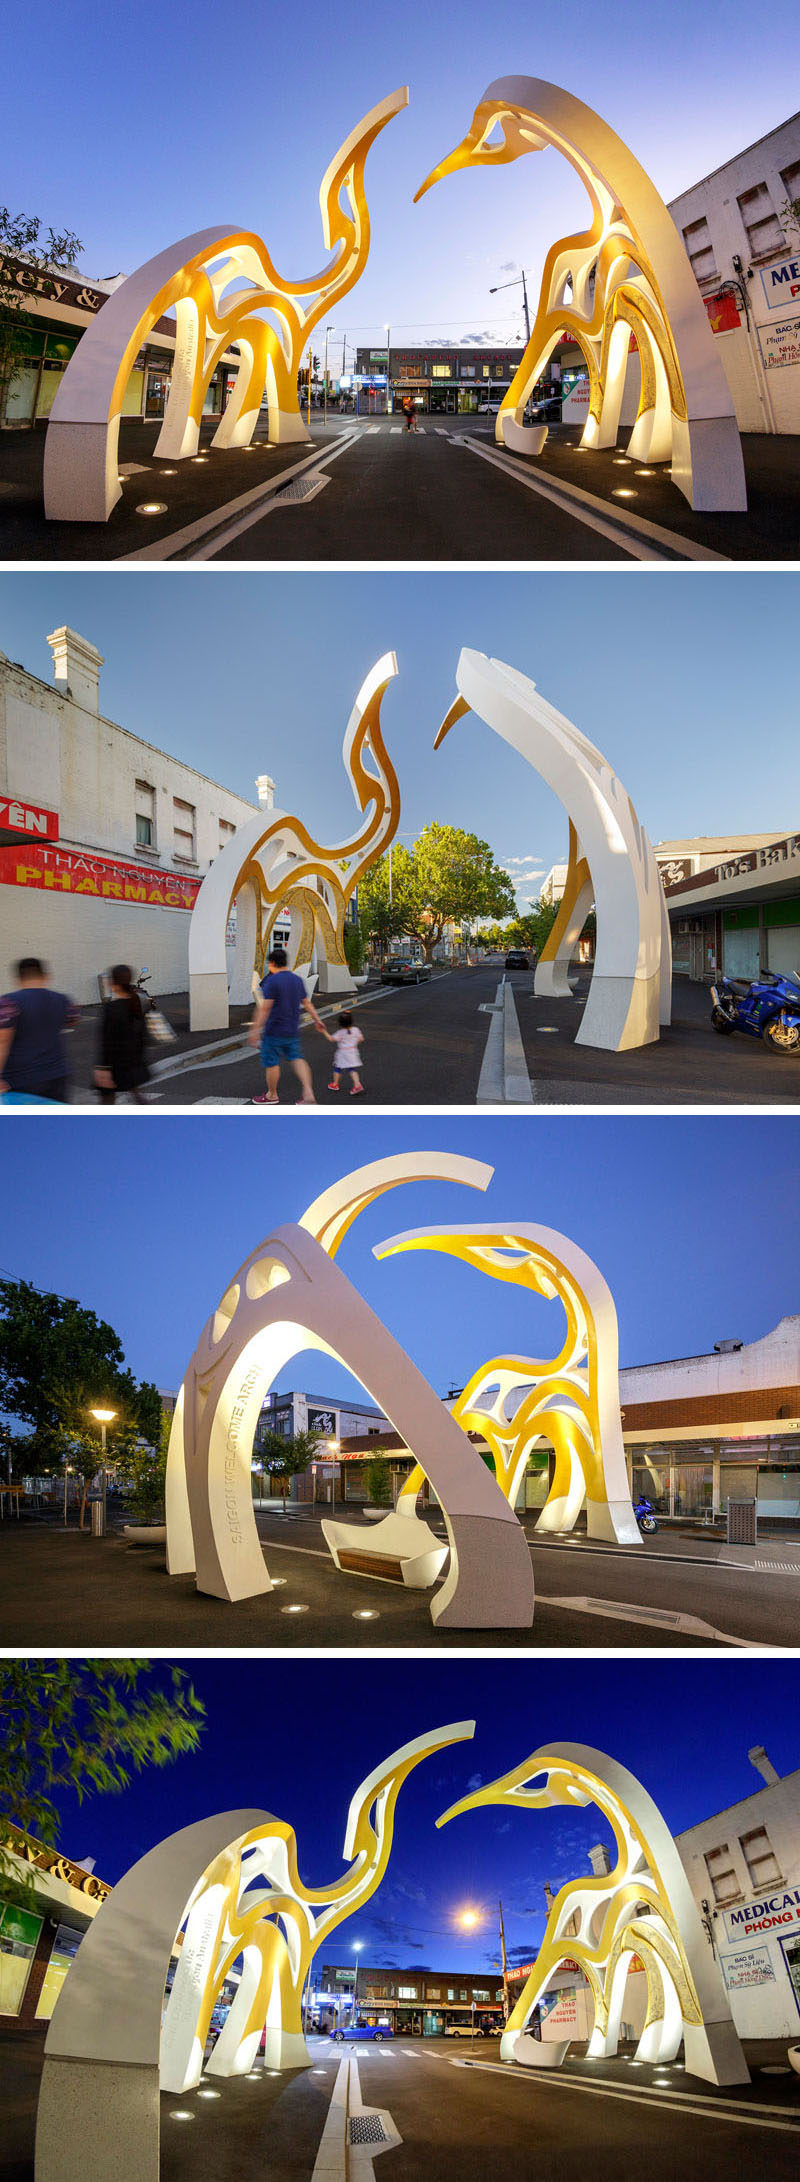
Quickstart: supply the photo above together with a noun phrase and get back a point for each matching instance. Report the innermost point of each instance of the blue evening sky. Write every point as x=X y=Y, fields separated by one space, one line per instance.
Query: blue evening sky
x=135 y=127
x=684 y=1727
x=146 y=1221
x=686 y=683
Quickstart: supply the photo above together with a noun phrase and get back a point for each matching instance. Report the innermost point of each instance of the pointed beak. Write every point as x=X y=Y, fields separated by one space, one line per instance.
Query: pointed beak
x=461 y=157
x=456 y=712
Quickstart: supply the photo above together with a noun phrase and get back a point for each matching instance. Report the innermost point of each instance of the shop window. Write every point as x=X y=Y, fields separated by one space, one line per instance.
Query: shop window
x=65 y=1948
x=760 y=1858
x=762 y=226
x=19 y=1934
x=720 y=1868
x=21 y=390
x=145 y=808
x=183 y=821
x=700 y=250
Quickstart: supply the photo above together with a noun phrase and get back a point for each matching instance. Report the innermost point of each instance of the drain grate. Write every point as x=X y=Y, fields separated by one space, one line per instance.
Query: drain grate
x=299 y=488
x=367 y=2129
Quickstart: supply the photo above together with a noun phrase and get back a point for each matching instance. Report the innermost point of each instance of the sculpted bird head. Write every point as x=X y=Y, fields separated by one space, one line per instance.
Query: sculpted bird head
x=499 y=132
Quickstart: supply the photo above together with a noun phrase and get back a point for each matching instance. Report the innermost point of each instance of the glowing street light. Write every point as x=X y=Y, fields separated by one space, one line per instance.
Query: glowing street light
x=104 y=1418
x=358 y=1946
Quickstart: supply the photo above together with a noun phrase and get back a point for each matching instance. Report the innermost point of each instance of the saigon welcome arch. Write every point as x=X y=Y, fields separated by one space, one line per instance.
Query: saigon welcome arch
x=626 y=277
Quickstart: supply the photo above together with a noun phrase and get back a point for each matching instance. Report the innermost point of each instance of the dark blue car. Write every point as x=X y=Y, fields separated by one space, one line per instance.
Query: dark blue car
x=365 y=2030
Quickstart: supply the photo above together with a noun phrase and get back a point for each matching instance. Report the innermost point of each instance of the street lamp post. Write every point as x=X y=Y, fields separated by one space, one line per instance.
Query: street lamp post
x=357 y=1947
x=333 y=1448
x=518 y=277
x=388 y=333
x=104 y=1418
x=328 y=329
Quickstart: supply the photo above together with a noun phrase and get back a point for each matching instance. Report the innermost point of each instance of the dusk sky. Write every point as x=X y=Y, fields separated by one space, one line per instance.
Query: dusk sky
x=669 y=677
x=274 y=1741
x=146 y=1221
x=135 y=128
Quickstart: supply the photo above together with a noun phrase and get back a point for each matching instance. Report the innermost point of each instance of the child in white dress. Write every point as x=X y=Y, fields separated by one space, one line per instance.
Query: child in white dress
x=346 y=1059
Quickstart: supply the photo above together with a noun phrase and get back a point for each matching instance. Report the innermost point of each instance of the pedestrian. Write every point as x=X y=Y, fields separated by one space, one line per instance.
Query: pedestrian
x=276 y=1028
x=122 y=1040
x=410 y=413
x=33 y=1020
x=346 y=1057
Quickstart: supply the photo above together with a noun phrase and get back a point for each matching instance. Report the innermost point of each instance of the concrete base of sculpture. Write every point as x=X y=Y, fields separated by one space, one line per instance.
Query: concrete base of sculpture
x=84 y=459
x=712 y=2050
x=552 y=981
x=209 y=1000
x=287 y=425
x=621 y=1013
x=334 y=977
x=707 y=465
x=401 y=1549
x=520 y=439
x=533 y=2052
x=75 y=2136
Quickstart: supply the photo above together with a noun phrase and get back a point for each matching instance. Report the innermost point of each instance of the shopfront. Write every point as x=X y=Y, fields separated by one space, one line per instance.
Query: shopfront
x=55 y=312
x=41 y=1929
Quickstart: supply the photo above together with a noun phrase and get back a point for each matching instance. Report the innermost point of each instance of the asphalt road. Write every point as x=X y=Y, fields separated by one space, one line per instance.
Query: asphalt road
x=445 y=493
x=461 y=2115
x=62 y=1588
x=424 y=1044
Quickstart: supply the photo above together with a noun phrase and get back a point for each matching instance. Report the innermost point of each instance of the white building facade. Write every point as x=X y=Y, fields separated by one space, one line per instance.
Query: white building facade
x=743 y=1866
x=744 y=247
x=104 y=839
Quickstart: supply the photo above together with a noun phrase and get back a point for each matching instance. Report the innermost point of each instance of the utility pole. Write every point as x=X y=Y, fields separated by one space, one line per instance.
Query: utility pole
x=506 y=2008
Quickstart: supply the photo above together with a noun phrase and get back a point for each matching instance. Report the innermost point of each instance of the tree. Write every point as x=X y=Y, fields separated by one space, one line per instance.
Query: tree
x=43 y=257
x=449 y=876
x=287 y=1458
x=143 y=1469
x=58 y=1361
x=83 y=1726
x=378 y=1482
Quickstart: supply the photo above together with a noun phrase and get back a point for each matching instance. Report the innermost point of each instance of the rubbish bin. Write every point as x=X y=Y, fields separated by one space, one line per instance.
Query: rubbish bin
x=742 y=1522
x=98 y=1525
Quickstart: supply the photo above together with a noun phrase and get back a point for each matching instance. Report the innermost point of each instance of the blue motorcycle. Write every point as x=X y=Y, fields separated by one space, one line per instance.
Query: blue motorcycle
x=767 y=1008
x=643 y=1511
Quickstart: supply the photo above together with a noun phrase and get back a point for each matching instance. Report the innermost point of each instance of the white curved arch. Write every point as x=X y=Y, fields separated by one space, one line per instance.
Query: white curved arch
x=632 y=965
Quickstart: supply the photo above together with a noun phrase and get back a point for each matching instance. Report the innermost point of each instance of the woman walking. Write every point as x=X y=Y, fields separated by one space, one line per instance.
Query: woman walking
x=122 y=1040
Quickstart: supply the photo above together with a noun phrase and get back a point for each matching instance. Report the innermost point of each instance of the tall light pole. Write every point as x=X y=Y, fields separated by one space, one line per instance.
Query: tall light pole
x=505 y=1964
x=328 y=329
x=104 y=1418
x=357 y=1947
x=496 y=291
x=333 y=1448
x=388 y=333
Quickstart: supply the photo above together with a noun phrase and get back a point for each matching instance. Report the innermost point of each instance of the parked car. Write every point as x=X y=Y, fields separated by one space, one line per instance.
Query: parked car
x=516 y=959
x=364 y=2030
x=404 y=970
x=465 y=2030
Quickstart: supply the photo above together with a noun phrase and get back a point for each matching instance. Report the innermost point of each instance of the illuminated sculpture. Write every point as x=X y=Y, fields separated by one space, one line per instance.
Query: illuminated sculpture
x=642 y=1908
x=570 y=1401
x=230 y=1888
x=627 y=275
x=272 y=862
x=289 y=1296
x=611 y=860
x=219 y=283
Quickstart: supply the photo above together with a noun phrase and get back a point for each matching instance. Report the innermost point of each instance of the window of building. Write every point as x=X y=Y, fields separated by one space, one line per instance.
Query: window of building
x=433 y=1992
x=226 y=832
x=480 y=1993
x=451 y=1992
x=790 y=177
x=762 y=226
x=487 y=371
x=700 y=250
x=65 y=1948
x=406 y=1992
x=440 y=371
x=463 y=1994
x=760 y=1858
x=720 y=1868
x=19 y=1933
x=145 y=809
x=183 y=824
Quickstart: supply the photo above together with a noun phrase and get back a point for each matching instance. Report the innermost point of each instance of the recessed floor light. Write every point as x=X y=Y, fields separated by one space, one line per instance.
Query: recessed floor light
x=199 y=458
x=624 y=492
x=294 y=1609
x=166 y=473
x=152 y=507
x=644 y=473
x=209 y=2094
x=620 y=461
x=366 y=1613
x=547 y=1030
x=180 y=2113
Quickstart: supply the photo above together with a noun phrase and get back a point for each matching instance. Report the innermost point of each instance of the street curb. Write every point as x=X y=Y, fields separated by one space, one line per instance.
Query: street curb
x=517 y=1089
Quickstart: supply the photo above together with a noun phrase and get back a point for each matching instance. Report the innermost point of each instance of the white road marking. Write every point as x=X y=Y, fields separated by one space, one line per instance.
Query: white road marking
x=653 y=1617
x=686 y=2102
x=586 y=508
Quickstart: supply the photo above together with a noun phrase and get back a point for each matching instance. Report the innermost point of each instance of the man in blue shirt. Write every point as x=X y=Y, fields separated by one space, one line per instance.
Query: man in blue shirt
x=33 y=1020
x=276 y=1028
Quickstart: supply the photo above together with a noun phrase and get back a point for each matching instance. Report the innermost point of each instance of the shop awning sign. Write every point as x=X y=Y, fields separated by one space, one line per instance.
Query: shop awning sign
x=781 y=283
x=59 y=871
x=21 y=821
x=777 y=1912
